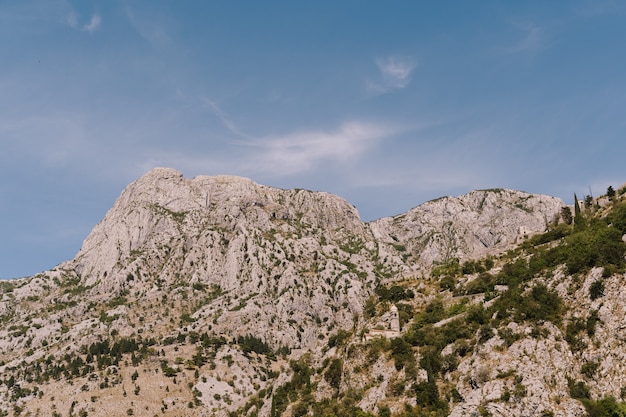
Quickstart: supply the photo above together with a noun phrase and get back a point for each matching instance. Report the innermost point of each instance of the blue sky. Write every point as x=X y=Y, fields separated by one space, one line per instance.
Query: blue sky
x=388 y=104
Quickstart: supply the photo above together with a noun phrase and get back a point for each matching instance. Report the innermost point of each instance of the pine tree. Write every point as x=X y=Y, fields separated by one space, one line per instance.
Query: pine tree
x=579 y=220
x=610 y=192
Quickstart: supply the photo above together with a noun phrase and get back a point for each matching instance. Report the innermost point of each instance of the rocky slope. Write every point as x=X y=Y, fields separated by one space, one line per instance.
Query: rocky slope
x=468 y=227
x=216 y=295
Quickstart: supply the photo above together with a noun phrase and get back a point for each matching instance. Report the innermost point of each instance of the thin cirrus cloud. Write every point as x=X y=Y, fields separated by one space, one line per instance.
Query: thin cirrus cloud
x=224 y=118
x=303 y=151
x=72 y=20
x=151 y=27
x=93 y=25
x=280 y=156
x=534 y=39
x=394 y=74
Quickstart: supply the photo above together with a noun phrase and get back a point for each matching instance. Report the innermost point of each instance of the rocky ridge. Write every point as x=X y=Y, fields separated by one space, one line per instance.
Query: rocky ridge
x=244 y=238
x=226 y=296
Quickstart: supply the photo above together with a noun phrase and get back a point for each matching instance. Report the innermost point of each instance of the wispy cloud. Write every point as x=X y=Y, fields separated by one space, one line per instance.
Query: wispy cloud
x=302 y=151
x=93 y=25
x=444 y=162
x=396 y=71
x=224 y=118
x=395 y=74
x=149 y=24
x=533 y=39
x=73 y=21
x=284 y=156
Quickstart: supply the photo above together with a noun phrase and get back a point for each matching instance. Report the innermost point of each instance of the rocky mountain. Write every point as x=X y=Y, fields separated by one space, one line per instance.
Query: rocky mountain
x=220 y=296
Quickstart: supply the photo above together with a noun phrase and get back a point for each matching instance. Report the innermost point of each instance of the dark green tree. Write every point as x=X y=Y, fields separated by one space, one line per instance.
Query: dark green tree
x=610 y=192
x=333 y=373
x=566 y=215
x=579 y=220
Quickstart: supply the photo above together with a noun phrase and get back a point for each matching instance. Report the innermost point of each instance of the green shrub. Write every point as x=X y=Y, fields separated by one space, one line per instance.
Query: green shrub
x=514 y=273
x=591 y=323
x=483 y=283
x=476 y=314
x=485 y=333
x=369 y=309
x=251 y=343
x=405 y=313
x=596 y=290
x=431 y=360
x=617 y=217
x=578 y=390
x=401 y=352
x=508 y=336
x=556 y=233
x=589 y=369
x=427 y=398
x=472 y=267
x=339 y=338
x=458 y=308
x=572 y=334
x=333 y=373
x=384 y=411
x=301 y=374
x=605 y=407
x=447 y=282
x=451 y=268
x=434 y=312
x=394 y=293
x=541 y=304
x=426 y=393
x=300 y=409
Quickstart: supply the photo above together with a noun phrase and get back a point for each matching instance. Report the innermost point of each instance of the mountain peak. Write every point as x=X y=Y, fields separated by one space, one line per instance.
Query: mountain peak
x=162 y=172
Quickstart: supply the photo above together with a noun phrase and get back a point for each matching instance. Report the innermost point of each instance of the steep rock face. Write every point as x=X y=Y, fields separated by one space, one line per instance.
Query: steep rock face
x=273 y=254
x=537 y=369
x=163 y=205
x=467 y=227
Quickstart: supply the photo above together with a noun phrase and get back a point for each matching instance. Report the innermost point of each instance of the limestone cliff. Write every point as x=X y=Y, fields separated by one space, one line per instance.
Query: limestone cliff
x=467 y=227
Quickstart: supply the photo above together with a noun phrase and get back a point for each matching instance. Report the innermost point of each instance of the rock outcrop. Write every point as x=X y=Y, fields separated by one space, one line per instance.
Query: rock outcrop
x=467 y=227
